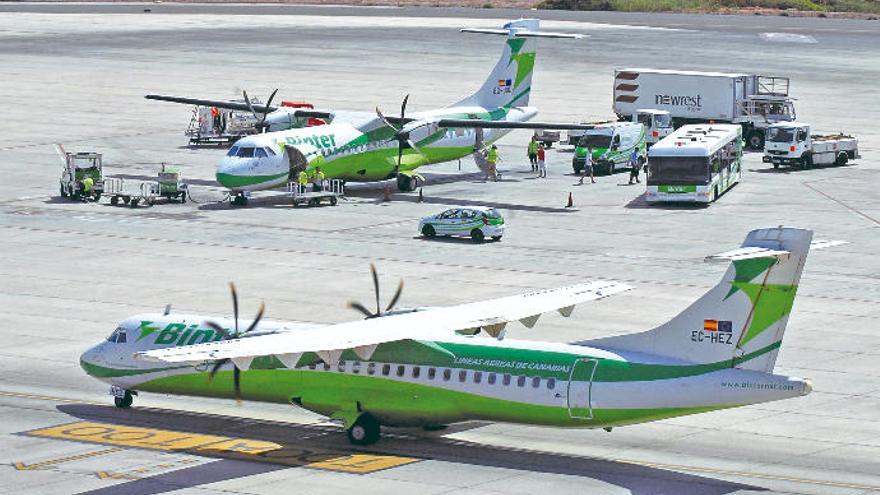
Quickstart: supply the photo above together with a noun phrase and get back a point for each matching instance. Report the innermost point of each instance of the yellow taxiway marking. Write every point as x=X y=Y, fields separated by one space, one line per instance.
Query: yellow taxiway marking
x=219 y=446
x=39 y=465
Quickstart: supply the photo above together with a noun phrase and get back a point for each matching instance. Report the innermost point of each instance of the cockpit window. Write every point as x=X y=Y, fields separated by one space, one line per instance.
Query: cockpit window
x=270 y=151
x=260 y=153
x=232 y=151
x=118 y=336
x=245 y=152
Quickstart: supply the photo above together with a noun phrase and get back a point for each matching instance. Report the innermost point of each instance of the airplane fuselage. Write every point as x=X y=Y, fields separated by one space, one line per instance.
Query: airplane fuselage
x=424 y=383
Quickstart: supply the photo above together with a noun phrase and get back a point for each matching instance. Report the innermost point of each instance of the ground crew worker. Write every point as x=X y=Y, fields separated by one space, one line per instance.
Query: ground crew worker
x=492 y=159
x=318 y=180
x=533 y=154
x=215 y=115
x=542 y=164
x=302 y=180
x=634 y=167
x=87 y=184
x=588 y=165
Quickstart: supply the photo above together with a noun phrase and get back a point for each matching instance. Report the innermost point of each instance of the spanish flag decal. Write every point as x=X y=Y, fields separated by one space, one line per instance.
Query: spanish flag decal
x=717 y=326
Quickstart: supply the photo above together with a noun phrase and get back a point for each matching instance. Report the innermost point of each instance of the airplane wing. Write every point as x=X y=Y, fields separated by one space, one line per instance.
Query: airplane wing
x=500 y=124
x=235 y=105
x=362 y=336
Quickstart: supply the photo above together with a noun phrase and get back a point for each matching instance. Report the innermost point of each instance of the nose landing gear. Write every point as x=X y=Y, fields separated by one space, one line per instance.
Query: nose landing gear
x=239 y=199
x=122 y=398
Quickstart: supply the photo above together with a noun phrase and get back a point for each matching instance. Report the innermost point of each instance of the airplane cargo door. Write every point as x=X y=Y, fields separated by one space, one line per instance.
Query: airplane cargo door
x=580 y=384
x=297 y=162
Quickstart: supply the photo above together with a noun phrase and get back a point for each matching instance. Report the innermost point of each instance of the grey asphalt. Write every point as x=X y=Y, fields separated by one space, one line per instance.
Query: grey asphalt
x=76 y=74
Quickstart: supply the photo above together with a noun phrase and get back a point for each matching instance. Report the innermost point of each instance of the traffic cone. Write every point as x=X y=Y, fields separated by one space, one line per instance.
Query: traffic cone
x=420 y=195
x=386 y=196
x=570 y=201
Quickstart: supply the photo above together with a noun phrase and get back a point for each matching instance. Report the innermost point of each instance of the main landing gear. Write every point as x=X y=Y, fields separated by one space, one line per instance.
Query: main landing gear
x=122 y=398
x=364 y=431
x=239 y=199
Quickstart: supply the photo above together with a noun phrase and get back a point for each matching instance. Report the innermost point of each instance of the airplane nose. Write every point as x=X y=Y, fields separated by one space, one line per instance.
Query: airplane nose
x=90 y=359
x=808 y=386
x=226 y=171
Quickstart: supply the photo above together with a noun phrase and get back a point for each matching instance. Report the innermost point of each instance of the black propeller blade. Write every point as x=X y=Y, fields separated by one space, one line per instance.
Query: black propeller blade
x=379 y=312
x=236 y=372
x=261 y=120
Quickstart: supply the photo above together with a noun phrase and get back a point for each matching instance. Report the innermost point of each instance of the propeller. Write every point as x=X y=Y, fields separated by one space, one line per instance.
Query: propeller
x=379 y=312
x=401 y=134
x=261 y=121
x=236 y=373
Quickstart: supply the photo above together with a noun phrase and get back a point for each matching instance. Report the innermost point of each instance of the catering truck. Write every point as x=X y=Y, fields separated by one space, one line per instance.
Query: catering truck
x=755 y=102
x=793 y=143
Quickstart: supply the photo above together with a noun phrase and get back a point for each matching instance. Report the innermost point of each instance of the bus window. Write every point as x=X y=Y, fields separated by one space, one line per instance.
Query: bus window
x=667 y=170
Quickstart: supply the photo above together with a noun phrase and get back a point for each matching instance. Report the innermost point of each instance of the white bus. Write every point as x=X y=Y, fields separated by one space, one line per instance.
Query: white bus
x=696 y=163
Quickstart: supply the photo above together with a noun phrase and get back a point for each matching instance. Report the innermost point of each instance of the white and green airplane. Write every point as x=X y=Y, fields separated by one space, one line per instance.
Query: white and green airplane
x=367 y=146
x=430 y=367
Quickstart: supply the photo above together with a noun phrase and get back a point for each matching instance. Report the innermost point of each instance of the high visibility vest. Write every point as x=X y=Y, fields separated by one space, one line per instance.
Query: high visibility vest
x=533 y=147
x=319 y=177
x=87 y=184
x=303 y=178
x=493 y=155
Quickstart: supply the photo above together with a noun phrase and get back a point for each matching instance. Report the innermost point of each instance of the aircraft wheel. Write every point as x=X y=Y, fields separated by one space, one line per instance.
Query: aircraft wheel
x=477 y=235
x=405 y=183
x=496 y=238
x=124 y=402
x=364 y=431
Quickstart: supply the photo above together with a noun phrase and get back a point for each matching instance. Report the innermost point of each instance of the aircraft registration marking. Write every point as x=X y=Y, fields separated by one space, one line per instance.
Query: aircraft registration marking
x=219 y=446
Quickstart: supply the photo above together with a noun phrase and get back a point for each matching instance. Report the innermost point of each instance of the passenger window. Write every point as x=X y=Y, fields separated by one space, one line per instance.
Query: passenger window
x=447 y=374
x=432 y=372
x=478 y=376
x=260 y=153
x=551 y=383
x=506 y=380
x=400 y=370
x=462 y=376
x=356 y=367
x=536 y=382
x=491 y=379
x=416 y=371
x=371 y=368
x=386 y=369
x=521 y=381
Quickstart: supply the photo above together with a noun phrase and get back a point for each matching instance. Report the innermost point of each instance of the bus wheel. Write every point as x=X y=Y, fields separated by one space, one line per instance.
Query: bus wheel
x=841 y=159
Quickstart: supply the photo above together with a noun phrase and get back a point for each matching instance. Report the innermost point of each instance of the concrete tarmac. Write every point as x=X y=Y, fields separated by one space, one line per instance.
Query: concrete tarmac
x=76 y=74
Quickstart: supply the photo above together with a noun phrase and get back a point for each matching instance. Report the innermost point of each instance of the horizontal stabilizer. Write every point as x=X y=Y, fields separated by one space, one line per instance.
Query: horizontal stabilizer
x=822 y=244
x=524 y=33
x=747 y=253
x=503 y=124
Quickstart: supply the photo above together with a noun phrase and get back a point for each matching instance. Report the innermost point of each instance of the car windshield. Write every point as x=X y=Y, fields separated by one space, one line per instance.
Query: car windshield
x=780 y=134
x=663 y=120
x=596 y=141
x=678 y=170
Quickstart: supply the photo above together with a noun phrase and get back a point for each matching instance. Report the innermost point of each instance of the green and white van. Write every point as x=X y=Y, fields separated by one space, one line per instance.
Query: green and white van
x=612 y=144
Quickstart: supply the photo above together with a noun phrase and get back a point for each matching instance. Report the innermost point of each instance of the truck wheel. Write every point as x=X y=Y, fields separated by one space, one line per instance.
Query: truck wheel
x=842 y=158
x=477 y=235
x=97 y=197
x=314 y=202
x=755 y=140
x=333 y=200
x=806 y=161
x=548 y=144
x=612 y=168
x=134 y=203
x=114 y=200
x=126 y=199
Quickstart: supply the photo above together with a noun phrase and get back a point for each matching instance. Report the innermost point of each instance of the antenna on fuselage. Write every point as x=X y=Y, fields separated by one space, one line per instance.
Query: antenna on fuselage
x=167 y=310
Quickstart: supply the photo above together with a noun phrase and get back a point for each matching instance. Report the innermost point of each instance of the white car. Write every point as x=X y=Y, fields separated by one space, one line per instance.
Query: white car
x=476 y=223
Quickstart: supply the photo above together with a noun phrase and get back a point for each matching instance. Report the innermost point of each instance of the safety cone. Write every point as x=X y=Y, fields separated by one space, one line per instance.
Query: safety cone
x=420 y=195
x=570 y=201
x=386 y=196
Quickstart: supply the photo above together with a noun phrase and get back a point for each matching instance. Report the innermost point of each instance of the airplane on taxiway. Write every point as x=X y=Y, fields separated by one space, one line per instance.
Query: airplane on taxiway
x=366 y=146
x=430 y=367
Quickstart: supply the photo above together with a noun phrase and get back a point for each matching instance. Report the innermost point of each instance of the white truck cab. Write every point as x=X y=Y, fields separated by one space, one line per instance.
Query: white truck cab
x=793 y=143
x=657 y=123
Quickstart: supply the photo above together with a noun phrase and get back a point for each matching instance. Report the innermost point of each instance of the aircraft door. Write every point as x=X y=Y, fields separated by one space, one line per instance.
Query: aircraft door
x=297 y=162
x=580 y=385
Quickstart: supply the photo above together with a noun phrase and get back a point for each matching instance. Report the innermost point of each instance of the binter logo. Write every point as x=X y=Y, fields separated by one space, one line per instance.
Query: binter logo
x=691 y=102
